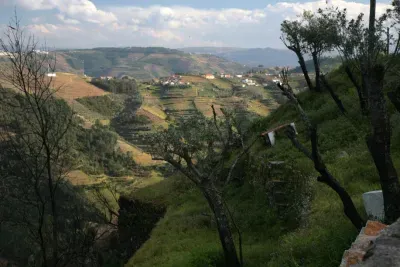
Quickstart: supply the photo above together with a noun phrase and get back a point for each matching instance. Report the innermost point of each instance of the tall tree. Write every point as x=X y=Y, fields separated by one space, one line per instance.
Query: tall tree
x=35 y=129
x=294 y=41
x=364 y=49
x=317 y=34
x=325 y=176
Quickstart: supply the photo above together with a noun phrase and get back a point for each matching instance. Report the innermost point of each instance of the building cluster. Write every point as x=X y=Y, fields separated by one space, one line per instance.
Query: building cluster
x=106 y=78
x=209 y=76
x=249 y=82
x=173 y=80
x=222 y=75
x=37 y=51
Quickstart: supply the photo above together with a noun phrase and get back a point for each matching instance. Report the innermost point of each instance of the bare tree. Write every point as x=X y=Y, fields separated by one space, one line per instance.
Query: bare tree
x=325 y=176
x=35 y=134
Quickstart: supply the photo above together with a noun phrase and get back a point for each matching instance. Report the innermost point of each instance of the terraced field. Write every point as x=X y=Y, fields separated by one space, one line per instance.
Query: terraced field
x=160 y=106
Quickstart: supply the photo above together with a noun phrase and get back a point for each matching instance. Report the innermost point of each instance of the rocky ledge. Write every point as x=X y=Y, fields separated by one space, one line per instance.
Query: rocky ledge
x=376 y=245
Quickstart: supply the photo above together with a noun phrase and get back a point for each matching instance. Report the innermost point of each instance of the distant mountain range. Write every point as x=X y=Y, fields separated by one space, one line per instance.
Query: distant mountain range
x=142 y=63
x=268 y=57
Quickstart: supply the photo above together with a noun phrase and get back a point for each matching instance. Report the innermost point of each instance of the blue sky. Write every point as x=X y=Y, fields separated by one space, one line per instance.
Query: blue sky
x=169 y=23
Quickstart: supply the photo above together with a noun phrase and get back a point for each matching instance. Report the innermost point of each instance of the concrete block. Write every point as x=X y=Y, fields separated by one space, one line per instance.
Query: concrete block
x=373 y=203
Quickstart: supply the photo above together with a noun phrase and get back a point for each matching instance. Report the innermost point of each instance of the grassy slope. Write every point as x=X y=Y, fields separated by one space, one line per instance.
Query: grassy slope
x=185 y=237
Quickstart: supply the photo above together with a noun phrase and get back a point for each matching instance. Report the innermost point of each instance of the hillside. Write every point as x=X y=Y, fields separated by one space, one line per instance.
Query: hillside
x=269 y=57
x=141 y=63
x=327 y=64
x=310 y=229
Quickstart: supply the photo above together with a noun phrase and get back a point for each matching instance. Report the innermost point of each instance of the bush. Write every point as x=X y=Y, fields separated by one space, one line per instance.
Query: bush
x=98 y=153
x=102 y=104
x=117 y=86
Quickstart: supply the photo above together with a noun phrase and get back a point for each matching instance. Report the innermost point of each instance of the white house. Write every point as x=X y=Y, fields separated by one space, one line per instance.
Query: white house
x=248 y=81
x=239 y=75
x=209 y=76
x=51 y=74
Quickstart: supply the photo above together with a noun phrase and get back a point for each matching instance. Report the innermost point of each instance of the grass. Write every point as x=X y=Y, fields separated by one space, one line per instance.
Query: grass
x=106 y=105
x=155 y=111
x=70 y=87
x=258 y=108
x=187 y=235
x=138 y=155
x=78 y=177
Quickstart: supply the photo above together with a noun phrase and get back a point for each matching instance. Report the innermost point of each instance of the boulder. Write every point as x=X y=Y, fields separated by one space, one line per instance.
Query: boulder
x=385 y=250
x=358 y=250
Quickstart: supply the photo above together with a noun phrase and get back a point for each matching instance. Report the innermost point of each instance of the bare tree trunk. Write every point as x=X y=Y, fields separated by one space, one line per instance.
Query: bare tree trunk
x=334 y=96
x=326 y=178
x=304 y=69
x=317 y=72
x=348 y=206
x=217 y=206
x=395 y=99
x=387 y=41
x=371 y=30
x=360 y=91
x=53 y=203
x=379 y=144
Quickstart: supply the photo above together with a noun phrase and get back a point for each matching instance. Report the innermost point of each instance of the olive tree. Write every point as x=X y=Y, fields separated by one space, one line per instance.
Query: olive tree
x=199 y=148
x=317 y=33
x=365 y=55
x=293 y=39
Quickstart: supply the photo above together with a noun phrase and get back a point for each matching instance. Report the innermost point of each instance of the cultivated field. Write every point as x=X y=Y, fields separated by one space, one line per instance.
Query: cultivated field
x=70 y=87
x=138 y=155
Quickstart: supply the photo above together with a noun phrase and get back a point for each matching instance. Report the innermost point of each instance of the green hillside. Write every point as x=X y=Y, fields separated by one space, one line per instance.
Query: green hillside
x=327 y=64
x=313 y=231
x=141 y=63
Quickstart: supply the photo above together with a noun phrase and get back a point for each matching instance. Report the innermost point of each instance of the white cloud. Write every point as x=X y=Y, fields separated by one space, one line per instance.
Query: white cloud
x=62 y=18
x=77 y=10
x=173 y=26
x=353 y=8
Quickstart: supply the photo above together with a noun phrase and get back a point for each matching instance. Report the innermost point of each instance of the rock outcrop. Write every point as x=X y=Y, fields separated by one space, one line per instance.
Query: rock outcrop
x=376 y=245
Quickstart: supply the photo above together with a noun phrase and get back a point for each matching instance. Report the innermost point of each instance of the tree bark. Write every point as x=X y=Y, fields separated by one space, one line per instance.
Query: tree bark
x=334 y=96
x=387 y=41
x=395 y=99
x=360 y=91
x=348 y=206
x=371 y=30
x=317 y=72
x=326 y=178
x=224 y=230
x=304 y=70
x=379 y=143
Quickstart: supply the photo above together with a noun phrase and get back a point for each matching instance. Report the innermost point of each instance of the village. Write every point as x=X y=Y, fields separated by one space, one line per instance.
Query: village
x=243 y=79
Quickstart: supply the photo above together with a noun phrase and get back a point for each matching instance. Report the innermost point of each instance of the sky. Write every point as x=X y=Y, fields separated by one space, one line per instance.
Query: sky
x=168 y=23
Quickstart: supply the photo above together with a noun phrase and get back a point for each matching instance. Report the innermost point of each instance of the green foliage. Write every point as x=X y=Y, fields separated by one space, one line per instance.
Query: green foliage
x=117 y=86
x=315 y=232
x=97 y=148
x=104 y=105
